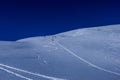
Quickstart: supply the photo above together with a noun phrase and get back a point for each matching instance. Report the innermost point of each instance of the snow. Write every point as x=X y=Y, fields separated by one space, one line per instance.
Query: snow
x=82 y=54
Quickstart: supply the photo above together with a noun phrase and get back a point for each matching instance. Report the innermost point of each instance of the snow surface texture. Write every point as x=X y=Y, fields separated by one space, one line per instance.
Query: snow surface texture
x=83 y=54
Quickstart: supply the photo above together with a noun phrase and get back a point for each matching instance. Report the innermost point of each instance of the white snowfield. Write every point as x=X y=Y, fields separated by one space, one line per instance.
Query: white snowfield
x=83 y=54
x=24 y=71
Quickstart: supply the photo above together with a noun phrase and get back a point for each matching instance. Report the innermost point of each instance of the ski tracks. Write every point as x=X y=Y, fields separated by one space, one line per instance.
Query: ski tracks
x=18 y=75
x=80 y=58
x=3 y=67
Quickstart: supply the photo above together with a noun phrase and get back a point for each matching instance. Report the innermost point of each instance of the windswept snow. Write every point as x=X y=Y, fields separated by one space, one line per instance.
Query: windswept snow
x=83 y=54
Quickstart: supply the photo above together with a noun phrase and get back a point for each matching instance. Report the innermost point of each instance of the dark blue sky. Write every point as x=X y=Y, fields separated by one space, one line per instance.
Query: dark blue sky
x=23 y=18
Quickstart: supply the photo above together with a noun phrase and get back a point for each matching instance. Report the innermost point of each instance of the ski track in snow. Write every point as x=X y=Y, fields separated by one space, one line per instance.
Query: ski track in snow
x=18 y=75
x=28 y=72
x=80 y=58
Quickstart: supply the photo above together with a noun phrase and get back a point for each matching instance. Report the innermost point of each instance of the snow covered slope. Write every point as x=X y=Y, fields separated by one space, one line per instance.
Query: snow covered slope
x=83 y=54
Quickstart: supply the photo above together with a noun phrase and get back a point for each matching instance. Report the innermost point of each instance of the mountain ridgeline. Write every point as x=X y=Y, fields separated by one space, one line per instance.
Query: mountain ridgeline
x=82 y=54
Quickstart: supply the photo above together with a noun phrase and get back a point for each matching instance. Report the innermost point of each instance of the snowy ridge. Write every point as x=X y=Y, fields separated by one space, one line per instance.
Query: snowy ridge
x=87 y=54
x=77 y=33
